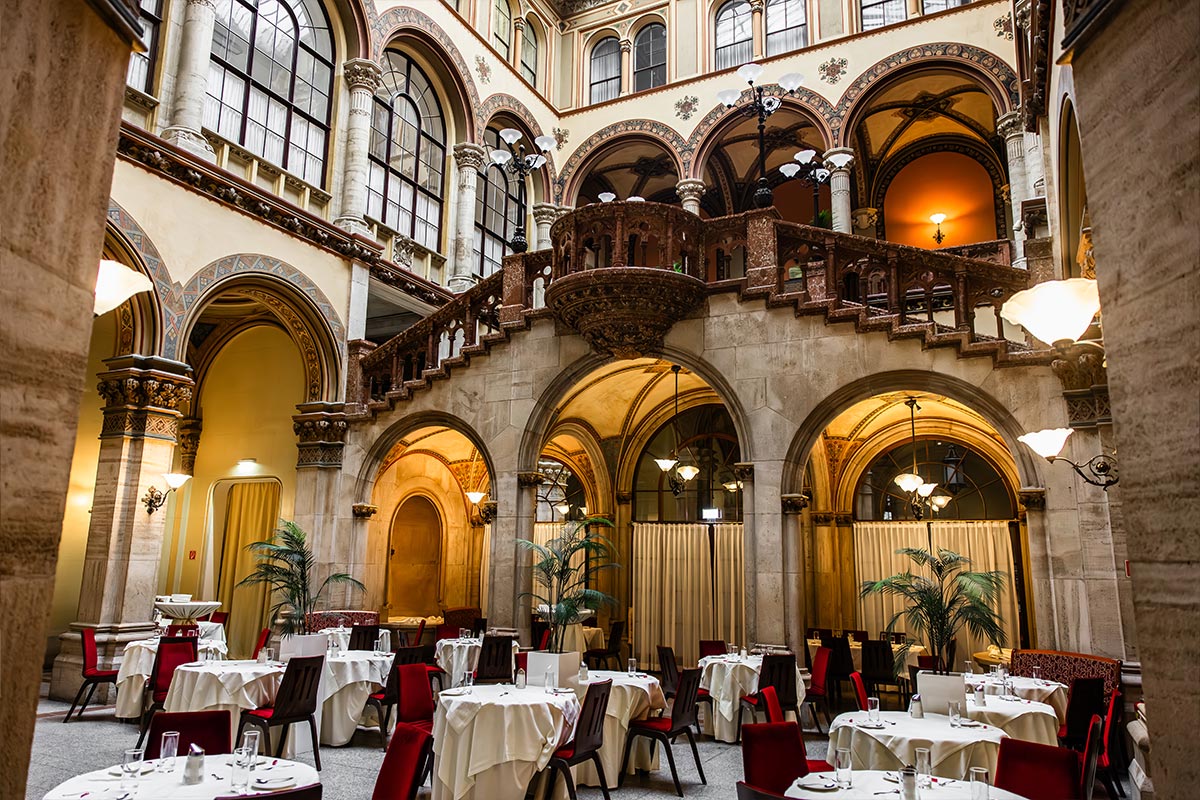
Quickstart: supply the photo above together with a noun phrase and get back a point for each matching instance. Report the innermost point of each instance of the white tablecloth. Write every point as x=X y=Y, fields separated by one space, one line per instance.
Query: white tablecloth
x=952 y=750
x=489 y=744
x=728 y=681
x=1040 y=691
x=339 y=635
x=457 y=656
x=856 y=654
x=187 y=611
x=213 y=631
x=1020 y=719
x=867 y=784
x=632 y=697
x=102 y=784
x=137 y=662
x=349 y=678
x=580 y=639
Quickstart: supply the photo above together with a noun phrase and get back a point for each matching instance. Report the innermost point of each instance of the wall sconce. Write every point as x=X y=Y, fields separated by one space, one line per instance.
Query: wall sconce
x=1056 y=312
x=475 y=497
x=1048 y=443
x=938 y=219
x=155 y=499
x=116 y=283
x=246 y=466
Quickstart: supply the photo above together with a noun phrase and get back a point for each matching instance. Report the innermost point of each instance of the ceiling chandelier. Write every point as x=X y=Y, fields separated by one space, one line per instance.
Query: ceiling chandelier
x=920 y=494
x=677 y=475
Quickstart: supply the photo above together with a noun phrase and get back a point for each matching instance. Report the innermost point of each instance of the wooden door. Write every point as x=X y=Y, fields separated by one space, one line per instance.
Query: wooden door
x=414 y=559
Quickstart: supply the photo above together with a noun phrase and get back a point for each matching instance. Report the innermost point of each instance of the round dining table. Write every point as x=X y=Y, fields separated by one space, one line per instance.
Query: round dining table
x=490 y=741
x=270 y=775
x=349 y=678
x=1051 y=693
x=186 y=611
x=873 y=784
x=457 y=656
x=137 y=662
x=914 y=651
x=631 y=697
x=1027 y=720
x=728 y=679
x=989 y=658
x=952 y=751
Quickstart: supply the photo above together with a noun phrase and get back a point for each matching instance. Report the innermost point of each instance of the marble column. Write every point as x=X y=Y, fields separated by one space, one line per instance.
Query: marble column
x=191 y=79
x=839 y=190
x=626 y=65
x=1010 y=126
x=511 y=574
x=468 y=159
x=320 y=430
x=690 y=190
x=757 y=28
x=518 y=38
x=544 y=215
x=363 y=77
x=142 y=397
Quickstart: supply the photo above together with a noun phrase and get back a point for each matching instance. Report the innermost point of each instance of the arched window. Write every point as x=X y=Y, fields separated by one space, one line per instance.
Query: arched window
x=877 y=13
x=650 y=57
x=529 y=54
x=407 y=153
x=735 y=35
x=140 y=74
x=270 y=79
x=496 y=209
x=606 y=70
x=976 y=489
x=704 y=438
x=787 y=26
x=502 y=27
x=930 y=6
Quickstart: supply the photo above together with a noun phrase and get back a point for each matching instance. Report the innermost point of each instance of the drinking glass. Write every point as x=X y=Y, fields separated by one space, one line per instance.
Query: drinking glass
x=1037 y=673
x=378 y=645
x=385 y=641
x=462 y=633
x=841 y=765
x=968 y=667
x=468 y=680
x=240 y=779
x=924 y=767
x=873 y=710
x=250 y=743
x=955 y=710
x=168 y=750
x=131 y=768
x=551 y=683
x=979 y=783
x=632 y=665
x=730 y=649
x=265 y=655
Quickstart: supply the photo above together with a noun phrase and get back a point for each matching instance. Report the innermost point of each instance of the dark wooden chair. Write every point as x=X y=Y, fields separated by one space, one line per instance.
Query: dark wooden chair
x=93 y=676
x=857 y=636
x=295 y=702
x=208 y=729
x=172 y=651
x=362 y=637
x=878 y=666
x=479 y=625
x=895 y=637
x=841 y=664
x=385 y=700
x=589 y=738
x=667 y=729
x=820 y=633
x=495 y=660
x=712 y=647
x=669 y=669
x=613 y=649
x=778 y=671
x=1085 y=700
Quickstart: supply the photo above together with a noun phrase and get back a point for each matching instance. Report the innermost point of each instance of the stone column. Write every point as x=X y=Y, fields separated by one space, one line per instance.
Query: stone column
x=468 y=159
x=363 y=77
x=626 y=65
x=518 y=36
x=516 y=502
x=690 y=190
x=320 y=430
x=839 y=190
x=1011 y=128
x=544 y=215
x=758 y=28
x=794 y=602
x=142 y=396
x=191 y=79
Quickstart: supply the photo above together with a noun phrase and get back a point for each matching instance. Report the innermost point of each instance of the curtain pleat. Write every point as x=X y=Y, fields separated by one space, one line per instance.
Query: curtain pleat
x=485 y=569
x=250 y=516
x=729 y=582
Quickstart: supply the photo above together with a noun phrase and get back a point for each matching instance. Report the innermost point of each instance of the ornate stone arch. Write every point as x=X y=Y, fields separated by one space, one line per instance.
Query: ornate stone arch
x=567 y=183
x=501 y=103
x=377 y=453
x=144 y=322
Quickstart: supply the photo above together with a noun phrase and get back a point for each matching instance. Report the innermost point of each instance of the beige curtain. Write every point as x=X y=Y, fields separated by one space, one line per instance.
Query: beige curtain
x=672 y=590
x=485 y=569
x=986 y=543
x=250 y=516
x=729 y=579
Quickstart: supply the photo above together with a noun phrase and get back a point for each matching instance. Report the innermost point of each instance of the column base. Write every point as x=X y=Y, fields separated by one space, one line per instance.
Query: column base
x=353 y=225
x=461 y=283
x=191 y=141
x=67 y=673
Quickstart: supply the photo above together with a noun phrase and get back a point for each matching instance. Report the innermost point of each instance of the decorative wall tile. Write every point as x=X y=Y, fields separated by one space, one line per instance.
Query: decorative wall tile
x=685 y=107
x=832 y=70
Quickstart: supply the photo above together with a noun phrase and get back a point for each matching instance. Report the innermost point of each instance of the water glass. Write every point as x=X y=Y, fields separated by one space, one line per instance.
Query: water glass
x=468 y=680
x=730 y=649
x=522 y=681
x=378 y=646
x=842 y=769
x=463 y=633
x=632 y=665
x=266 y=655
x=968 y=667
x=250 y=743
x=551 y=683
x=240 y=779
x=979 y=783
x=873 y=710
x=131 y=768
x=168 y=750
x=385 y=641
x=1037 y=673
x=924 y=767
x=954 y=707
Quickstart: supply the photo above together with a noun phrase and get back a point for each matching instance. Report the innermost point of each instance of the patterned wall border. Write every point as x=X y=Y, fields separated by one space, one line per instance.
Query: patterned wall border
x=167 y=306
x=667 y=136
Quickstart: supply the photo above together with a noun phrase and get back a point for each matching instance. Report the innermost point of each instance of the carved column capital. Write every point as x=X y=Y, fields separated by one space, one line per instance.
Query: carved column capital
x=320 y=430
x=838 y=151
x=363 y=510
x=865 y=217
x=626 y=46
x=624 y=497
x=530 y=479
x=1010 y=125
x=487 y=512
x=1032 y=498
x=362 y=73
x=690 y=190
x=468 y=155
x=1080 y=368
x=545 y=213
x=142 y=396
x=793 y=503
x=189 y=443
x=743 y=471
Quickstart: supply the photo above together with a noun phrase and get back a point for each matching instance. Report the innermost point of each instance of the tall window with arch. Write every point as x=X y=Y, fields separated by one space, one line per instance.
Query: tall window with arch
x=407 y=153
x=650 y=57
x=606 y=70
x=140 y=74
x=735 y=34
x=502 y=27
x=877 y=13
x=497 y=206
x=529 y=53
x=270 y=78
x=787 y=26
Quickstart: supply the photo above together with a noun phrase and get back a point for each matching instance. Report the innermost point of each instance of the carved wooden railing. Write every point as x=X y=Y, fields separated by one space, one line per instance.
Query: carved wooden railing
x=628 y=235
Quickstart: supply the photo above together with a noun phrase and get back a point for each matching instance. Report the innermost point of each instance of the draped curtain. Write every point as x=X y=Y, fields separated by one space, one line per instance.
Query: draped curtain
x=729 y=580
x=986 y=543
x=485 y=569
x=250 y=515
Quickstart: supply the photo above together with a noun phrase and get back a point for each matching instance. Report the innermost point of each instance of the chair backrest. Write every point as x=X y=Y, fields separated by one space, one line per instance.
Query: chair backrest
x=938 y=690
x=362 y=637
x=90 y=657
x=930 y=663
x=878 y=663
x=446 y=632
x=1064 y=667
x=495 y=659
x=820 y=633
x=172 y=651
x=416 y=698
x=219 y=617
x=409 y=655
x=857 y=636
x=208 y=729
x=297 y=696
x=391 y=689
x=400 y=774
x=616 y=634
x=589 y=731
x=1091 y=757
x=841 y=662
x=1030 y=769
x=860 y=691
x=479 y=624
x=683 y=713
x=771 y=701
x=183 y=629
x=747 y=792
x=544 y=643
x=1113 y=705
x=460 y=617
x=711 y=647
x=779 y=670
x=1085 y=700
x=669 y=667
x=262 y=641
x=773 y=755
x=820 y=669
x=416 y=637
x=303 y=793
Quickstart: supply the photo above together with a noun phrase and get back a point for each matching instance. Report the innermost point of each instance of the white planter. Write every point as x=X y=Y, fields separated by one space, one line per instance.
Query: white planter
x=565 y=666
x=309 y=644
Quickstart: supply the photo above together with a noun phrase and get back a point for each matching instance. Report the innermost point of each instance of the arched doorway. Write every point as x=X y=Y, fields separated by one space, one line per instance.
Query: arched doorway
x=414 y=576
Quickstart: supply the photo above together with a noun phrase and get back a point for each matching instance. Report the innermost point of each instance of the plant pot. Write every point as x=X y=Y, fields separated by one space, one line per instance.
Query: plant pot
x=309 y=644
x=565 y=666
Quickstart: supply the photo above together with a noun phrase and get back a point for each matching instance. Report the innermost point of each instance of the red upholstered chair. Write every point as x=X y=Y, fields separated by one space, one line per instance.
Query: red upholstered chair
x=404 y=767
x=296 y=701
x=1091 y=757
x=172 y=651
x=523 y=661
x=711 y=647
x=183 y=629
x=263 y=637
x=446 y=632
x=771 y=701
x=219 y=617
x=545 y=642
x=667 y=729
x=773 y=756
x=385 y=700
x=860 y=690
x=208 y=729
x=1104 y=765
x=747 y=792
x=303 y=793
x=1037 y=770
x=93 y=676
x=778 y=670
x=816 y=691
x=415 y=704
x=589 y=738
x=415 y=641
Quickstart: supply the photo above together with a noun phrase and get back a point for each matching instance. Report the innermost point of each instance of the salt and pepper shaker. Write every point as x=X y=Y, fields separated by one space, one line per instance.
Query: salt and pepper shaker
x=980 y=697
x=193 y=770
x=583 y=672
x=915 y=709
x=908 y=783
x=520 y=679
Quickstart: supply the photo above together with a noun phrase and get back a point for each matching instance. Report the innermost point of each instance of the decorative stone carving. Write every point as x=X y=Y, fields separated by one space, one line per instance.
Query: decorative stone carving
x=468 y=155
x=189 y=443
x=831 y=518
x=402 y=250
x=487 y=512
x=363 y=510
x=142 y=396
x=321 y=432
x=1080 y=368
x=530 y=479
x=362 y=73
x=794 y=503
x=743 y=471
x=865 y=217
x=1032 y=498
x=690 y=191
x=624 y=498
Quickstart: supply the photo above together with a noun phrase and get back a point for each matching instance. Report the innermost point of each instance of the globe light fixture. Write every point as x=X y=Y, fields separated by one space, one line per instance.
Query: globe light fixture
x=520 y=165
x=809 y=170
x=760 y=106
x=666 y=464
x=116 y=283
x=920 y=493
x=938 y=219
x=677 y=476
x=687 y=472
x=606 y=197
x=476 y=497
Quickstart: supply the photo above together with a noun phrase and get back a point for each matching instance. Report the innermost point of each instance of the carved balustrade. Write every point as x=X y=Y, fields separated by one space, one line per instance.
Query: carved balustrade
x=606 y=235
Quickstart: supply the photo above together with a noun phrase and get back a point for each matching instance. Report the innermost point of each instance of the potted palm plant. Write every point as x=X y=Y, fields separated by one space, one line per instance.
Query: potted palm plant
x=941 y=604
x=287 y=566
x=563 y=569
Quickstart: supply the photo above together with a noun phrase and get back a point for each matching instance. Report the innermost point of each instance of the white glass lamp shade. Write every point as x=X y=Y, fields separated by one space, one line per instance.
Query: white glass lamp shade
x=510 y=135
x=791 y=81
x=635 y=199
x=116 y=283
x=1047 y=443
x=926 y=489
x=583 y=510
x=176 y=479
x=805 y=156
x=501 y=157
x=687 y=472
x=789 y=170
x=732 y=486
x=1055 y=311
x=821 y=174
x=939 y=501
x=475 y=497
x=840 y=160
x=728 y=97
x=606 y=197
x=771 y=104
x=563 y=509
x=750 y=72
x=665 y=464
x=908 y=482
x=545 y=143
x=536 y=161
x=937 y=219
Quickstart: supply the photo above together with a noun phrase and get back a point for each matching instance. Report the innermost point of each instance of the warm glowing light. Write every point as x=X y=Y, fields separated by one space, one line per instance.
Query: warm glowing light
x=475 y=497
x=116 y=283
x=710 y=513
x=926 y=489
x=246 y=466
x=908 y=482
x=1047 y=443
x=501 y=157
x=1055 y=311
x=563 y=508
x=939 y=501
x=937 y=219
x=733 y=486
x=839 y=160
x=791 y=81
x=583 y=510
x=510 y=135
x=750 y=72
x=176 y=479
x=687 y=472
x=666 y=464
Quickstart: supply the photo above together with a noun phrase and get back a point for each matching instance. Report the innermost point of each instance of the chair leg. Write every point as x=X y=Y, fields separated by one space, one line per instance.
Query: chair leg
x=88 y=699
x=625 y=760
x=674 y=772
x=78 y=694
x=1111 y=787
x=570 y=781
x=283 y=734
x=312 y=727
x=600 y=772
x=551 y=779
x=696 y=755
